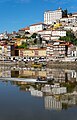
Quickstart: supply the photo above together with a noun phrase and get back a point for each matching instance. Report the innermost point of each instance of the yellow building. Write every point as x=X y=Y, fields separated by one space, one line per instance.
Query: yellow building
x=32 y=52
x=57 y=25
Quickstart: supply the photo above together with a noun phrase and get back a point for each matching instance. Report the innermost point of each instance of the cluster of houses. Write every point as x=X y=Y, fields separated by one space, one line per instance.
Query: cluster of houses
x=53 y=27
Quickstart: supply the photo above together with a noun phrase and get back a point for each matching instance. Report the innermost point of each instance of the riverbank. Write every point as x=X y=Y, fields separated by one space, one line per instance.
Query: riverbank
x=50 y=64
x=67 y=65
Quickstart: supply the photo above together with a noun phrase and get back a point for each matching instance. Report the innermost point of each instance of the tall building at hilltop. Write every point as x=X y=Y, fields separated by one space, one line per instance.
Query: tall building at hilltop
x=52 y=16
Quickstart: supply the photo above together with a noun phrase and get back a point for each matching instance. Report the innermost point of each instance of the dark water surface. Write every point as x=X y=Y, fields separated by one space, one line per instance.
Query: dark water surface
x=21 y=105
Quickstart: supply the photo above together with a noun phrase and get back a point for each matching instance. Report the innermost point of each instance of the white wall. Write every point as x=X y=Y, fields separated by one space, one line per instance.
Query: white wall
x=36 y=28
x=58 y=33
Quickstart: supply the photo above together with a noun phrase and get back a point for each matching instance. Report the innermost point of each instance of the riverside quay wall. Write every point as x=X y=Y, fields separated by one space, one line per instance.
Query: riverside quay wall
x=65 y=65
x=49 y=64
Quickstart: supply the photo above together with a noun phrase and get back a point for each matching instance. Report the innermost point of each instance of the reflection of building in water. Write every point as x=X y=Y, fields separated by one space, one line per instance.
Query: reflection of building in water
x=46 y=89
x=59 y=90
x=54 y=89
x=59 y=75
x=52 y=103
x=14 y=73
x=69 y=99
x=5 y=73
x=35 y=92
x=62 y=75
x=72 y=75
x=32 y=73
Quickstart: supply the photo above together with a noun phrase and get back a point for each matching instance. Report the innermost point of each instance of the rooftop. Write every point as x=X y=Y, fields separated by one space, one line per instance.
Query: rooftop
x=38 y=24
x=26 y=28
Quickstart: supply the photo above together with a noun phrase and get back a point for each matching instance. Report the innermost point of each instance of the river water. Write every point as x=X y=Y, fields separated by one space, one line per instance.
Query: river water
x=56 y=100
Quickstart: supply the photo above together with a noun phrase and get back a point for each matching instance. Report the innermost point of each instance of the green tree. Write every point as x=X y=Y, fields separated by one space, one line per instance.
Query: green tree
x=70 y=37
x=34 y=35
x=64 y=13
x=24 y=45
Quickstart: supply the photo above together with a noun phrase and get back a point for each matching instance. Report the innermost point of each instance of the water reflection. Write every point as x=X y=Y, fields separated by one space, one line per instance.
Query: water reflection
x=60 y=93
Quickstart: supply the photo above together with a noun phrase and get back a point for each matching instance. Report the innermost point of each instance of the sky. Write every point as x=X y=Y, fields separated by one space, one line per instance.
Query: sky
x=17 y=14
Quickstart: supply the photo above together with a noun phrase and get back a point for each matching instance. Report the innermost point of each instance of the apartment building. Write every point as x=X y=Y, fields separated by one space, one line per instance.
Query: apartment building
x=69 y=19
x=61 y=50
x=45 y=34
x=60 y=33
x=6 y=51
x=52 y=34
x=52 y=16
x=57 y=49
x=70 y=27
x=32 y=52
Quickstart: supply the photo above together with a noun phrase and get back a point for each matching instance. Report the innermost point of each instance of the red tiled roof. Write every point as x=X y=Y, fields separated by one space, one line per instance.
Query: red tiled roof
x=37 y=24
x=27 y=28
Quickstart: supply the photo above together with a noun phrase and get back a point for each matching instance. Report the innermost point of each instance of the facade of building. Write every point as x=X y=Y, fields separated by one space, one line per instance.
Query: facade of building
x=60 y=33
x=52 y=16
x=6 y=51
x=32 y=52
x=70 y=27
x=57 y=49
x=24 y=30
x=45 y=34
x=70 y=19
x=52 y=34
x=37 y=27
x=61 y=50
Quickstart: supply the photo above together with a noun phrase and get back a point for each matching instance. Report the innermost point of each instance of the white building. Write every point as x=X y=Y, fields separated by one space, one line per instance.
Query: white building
x=60 y=33
x=52 y=35
x=52 y=16
x=45 y=34
x=69 y=27
x=69 y=19
x=37 y=27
